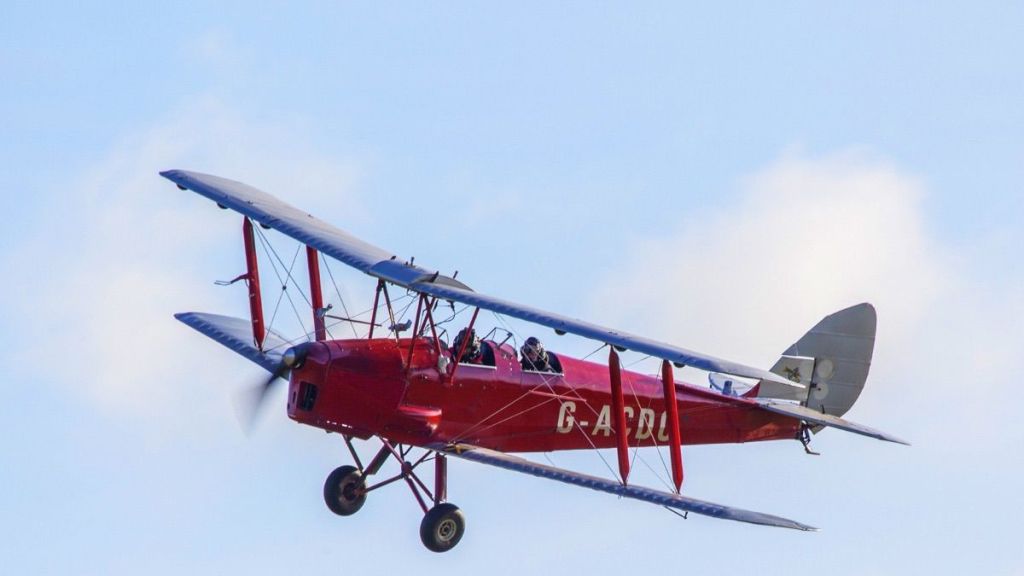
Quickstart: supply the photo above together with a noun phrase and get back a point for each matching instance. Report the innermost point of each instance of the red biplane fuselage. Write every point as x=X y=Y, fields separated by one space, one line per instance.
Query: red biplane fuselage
x=371 y=387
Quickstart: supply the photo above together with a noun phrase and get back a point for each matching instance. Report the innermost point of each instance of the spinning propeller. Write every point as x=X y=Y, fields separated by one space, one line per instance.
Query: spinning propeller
x=252 y=400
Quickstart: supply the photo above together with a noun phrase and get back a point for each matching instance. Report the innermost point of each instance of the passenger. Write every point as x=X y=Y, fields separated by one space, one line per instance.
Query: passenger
x=473 y=353
x=535 y=358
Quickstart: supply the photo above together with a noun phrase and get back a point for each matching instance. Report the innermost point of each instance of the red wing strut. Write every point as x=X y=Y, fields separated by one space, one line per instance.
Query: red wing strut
x=502 y=460
x=382 y=264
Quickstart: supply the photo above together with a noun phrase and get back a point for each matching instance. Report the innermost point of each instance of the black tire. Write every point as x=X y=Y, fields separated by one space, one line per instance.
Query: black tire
x=343 y=491
x=442 y=527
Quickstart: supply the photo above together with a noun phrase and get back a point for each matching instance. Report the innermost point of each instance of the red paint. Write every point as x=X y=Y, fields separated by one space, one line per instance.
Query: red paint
x=315 y=293
x=364 y=388
x=675 y=443
x=252 y=279
x=618 y=413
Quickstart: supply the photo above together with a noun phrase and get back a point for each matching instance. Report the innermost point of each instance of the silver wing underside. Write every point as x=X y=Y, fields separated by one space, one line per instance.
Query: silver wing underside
x=667 y=499
x=236 y=334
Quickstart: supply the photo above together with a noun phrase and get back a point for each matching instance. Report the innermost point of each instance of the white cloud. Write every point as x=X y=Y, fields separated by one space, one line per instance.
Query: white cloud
x=812 y=235
x=124 y=249
x=807 y=237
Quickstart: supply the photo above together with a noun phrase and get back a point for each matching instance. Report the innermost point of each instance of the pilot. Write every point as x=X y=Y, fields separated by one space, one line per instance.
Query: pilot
x=535 y=358
x=473 y=353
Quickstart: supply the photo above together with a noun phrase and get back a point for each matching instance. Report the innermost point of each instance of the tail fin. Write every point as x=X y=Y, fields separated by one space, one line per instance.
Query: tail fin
x=831 y=360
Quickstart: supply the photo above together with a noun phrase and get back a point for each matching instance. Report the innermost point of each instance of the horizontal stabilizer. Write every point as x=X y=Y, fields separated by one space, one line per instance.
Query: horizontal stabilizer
x=813 y=417
x=236 y=334
x=669 y=500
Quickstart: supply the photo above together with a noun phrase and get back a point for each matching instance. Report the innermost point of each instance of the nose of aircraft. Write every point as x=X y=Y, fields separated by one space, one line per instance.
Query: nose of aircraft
x=293 y=359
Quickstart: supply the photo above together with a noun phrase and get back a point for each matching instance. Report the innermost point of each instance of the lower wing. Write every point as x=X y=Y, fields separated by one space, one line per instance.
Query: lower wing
x=667 y=499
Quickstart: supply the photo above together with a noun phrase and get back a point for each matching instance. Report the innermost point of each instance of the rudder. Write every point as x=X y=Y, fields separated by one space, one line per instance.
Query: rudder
x=836 y=353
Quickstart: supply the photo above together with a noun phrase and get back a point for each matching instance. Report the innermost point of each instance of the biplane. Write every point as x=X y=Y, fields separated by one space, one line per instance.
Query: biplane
x=425 y=400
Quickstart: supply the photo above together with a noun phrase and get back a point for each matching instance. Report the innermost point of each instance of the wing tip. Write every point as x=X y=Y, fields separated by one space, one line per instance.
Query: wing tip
x=896 y=440
x=175 y=176
x=184 y=317
x=800 y=526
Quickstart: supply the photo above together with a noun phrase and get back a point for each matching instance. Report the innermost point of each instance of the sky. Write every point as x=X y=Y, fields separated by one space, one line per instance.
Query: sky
x=719 y=177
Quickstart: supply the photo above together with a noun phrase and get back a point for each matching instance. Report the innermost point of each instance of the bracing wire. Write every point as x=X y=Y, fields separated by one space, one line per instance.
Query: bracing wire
x=269 y=249
x=337 y=290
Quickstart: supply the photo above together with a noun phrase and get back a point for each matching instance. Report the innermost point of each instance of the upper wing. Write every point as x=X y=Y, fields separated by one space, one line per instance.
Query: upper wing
x=686 y=504
x=599 y=333
x=270 y=211
x=382 y=264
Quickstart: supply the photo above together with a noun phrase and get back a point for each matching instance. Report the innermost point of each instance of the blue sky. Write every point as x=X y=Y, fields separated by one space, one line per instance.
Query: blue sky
x=717 y=177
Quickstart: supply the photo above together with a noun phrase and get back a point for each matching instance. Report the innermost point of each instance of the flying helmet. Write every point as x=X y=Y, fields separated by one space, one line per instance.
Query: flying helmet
x=469 y=336
x=533 y=350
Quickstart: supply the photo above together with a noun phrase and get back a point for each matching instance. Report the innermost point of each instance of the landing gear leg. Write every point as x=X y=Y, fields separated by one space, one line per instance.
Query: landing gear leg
x=345 y=487
x=444 y=524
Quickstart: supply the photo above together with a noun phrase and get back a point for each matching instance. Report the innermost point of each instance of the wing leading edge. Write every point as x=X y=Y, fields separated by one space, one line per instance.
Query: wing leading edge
x=676 y=501
x=382 y=264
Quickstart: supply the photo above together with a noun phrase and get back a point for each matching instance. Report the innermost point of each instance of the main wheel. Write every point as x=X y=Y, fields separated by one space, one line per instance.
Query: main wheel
x=343 y=491
x=442 y=527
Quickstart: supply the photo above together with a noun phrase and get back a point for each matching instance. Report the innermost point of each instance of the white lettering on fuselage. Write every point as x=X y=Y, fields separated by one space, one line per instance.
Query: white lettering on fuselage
x=645 y=426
